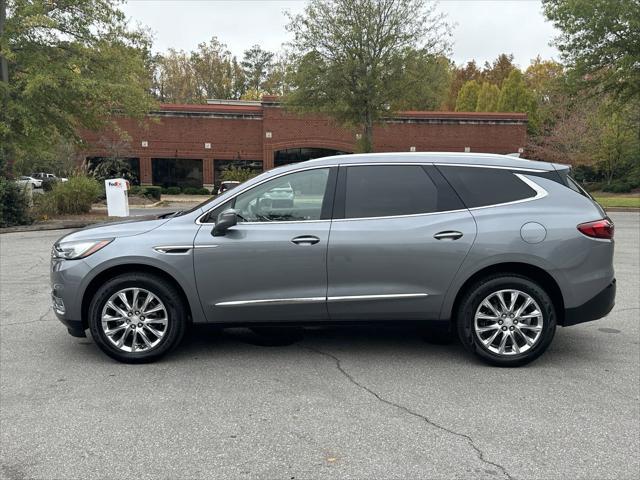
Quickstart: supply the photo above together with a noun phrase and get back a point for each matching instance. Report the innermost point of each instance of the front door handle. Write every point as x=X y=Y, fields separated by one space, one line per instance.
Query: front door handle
x=305 y=240
x=448 y=235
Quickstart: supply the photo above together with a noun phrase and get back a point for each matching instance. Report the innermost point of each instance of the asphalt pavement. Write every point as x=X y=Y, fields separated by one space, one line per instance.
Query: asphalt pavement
x=336 y=403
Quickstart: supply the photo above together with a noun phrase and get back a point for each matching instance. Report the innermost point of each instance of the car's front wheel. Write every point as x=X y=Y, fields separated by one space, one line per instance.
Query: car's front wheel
x=507 y=320
x=137 y=317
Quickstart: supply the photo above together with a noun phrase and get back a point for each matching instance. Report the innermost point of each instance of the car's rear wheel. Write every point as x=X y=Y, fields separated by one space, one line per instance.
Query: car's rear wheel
x=507 y=320
x=137 y=317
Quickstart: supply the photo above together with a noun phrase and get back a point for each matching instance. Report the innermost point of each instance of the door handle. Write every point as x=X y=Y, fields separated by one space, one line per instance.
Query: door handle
x=448 y=235
x=305 y=240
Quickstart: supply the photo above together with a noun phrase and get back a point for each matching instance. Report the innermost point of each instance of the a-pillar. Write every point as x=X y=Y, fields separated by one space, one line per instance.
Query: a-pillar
x=146 y=177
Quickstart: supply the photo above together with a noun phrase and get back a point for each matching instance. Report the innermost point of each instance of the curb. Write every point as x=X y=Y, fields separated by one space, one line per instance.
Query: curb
x=38 y=227
x=622 y=209
x=153 y=205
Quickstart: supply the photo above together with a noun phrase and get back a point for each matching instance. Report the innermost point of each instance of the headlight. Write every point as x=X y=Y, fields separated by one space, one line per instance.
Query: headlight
x=79 y=249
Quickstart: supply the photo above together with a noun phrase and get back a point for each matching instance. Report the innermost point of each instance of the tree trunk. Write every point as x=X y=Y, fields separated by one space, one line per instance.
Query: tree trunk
x=367 y=134
x=4 y=68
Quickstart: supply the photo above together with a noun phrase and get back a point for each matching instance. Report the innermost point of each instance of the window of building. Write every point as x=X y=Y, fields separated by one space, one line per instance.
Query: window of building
x=387 y=190
x=295 y=155
x=176 y=172
x=479 y=187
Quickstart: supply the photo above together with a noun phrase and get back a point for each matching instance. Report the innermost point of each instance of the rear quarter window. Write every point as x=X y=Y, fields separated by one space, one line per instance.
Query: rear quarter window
x=481 y=187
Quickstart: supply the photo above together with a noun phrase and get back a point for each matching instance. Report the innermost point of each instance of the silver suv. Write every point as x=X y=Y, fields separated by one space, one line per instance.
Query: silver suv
x=499 y=249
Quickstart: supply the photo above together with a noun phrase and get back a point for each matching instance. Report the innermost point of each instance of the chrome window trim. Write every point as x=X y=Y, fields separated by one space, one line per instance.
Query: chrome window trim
x=246 y=189
x=540 y=192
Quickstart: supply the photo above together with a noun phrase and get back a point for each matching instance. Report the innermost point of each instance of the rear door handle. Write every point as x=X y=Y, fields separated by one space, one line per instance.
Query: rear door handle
x=448 y=235
x=305 y=240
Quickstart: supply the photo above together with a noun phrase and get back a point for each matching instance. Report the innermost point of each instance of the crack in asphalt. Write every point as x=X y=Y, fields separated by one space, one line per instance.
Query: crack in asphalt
x=40 y=319
x=467 y=438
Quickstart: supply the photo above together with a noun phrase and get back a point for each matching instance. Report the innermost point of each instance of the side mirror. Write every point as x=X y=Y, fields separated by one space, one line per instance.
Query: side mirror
x=225 y=221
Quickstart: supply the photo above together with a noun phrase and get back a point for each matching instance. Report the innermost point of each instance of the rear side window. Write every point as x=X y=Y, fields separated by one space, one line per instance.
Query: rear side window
x=572 y=184
x=388 y=190
x=480 y=187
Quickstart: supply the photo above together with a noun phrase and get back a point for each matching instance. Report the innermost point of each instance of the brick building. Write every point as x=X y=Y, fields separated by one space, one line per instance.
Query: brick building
x=190 y=145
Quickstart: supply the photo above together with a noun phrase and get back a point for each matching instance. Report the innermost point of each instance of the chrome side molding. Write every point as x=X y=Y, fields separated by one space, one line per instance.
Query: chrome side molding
x=345 y=298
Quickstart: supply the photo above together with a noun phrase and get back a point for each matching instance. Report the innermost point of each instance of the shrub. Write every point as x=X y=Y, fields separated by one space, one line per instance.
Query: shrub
x=152 y=192
x=196 y=191
x=237 y=174
x=618 y=186
x=69 y=198
x=113 y=168
x=14 y=204
x=135 y=190
x=172 y=191
x=48 y=184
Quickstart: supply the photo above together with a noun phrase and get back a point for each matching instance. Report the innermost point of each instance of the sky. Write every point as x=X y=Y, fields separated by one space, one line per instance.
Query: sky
x=482 y=28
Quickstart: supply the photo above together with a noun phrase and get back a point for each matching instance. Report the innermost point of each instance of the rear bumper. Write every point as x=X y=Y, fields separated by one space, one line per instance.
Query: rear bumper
x=598 y=307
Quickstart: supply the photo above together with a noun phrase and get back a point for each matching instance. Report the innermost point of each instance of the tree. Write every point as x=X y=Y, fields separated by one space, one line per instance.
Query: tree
x=175 y=79
x=468 y=97
x=516 y=97
x=547 y=81
x=256 y=65
x=352 y=53
x=488 y=98
x=210 y=71
x=425 y=82
x=459 y=77
x=213 y=71
x=278 y=81
x=498 y=71
x=600 y=40
x=617 y=147
x=69 y=65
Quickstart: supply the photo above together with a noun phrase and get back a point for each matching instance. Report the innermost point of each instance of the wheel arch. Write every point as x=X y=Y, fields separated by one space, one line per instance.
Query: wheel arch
x=537 y=274
x=116 y=270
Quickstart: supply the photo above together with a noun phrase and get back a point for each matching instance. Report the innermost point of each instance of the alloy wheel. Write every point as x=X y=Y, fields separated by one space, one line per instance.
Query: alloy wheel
x=508 y=322
x=134 y=320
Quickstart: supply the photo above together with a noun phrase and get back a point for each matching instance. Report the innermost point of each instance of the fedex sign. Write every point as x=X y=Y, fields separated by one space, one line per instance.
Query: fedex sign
x=117 y=198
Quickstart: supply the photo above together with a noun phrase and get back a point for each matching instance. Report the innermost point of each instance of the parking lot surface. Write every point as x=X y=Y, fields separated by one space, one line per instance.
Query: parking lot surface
x=336 y=403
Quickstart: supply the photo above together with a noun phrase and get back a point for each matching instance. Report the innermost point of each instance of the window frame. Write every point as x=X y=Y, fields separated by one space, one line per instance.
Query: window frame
x=327 y=203
x=337 y=184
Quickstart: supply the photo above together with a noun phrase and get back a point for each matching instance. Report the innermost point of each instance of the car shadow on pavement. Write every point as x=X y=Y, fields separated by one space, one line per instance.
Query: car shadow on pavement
x=202 y=340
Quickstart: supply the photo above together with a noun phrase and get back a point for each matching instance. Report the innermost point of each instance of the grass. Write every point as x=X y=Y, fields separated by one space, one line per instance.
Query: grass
x=628 y=202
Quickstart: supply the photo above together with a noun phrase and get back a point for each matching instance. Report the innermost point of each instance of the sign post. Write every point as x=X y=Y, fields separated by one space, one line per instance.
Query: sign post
x=117 y=198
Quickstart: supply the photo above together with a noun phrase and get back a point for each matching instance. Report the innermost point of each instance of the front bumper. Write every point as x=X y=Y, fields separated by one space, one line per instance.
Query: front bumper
x=598 y=307
x=66 y=288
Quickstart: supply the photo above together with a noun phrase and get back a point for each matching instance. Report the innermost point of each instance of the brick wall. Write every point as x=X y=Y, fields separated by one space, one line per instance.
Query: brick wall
x=255 y=132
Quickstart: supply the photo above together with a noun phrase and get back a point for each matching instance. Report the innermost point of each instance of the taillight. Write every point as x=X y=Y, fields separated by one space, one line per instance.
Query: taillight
x=598 y=229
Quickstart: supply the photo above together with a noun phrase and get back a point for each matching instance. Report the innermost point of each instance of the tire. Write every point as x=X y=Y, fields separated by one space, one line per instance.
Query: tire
x=539 y=329
x=168 y=334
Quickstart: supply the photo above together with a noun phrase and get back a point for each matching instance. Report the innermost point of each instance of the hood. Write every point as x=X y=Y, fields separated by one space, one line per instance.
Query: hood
x=122 y=228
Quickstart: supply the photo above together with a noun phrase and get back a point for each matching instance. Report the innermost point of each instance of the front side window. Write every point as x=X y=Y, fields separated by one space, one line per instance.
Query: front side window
x=295 y=197
x=480 y=187
x=388 y=190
